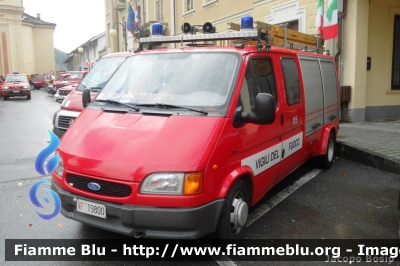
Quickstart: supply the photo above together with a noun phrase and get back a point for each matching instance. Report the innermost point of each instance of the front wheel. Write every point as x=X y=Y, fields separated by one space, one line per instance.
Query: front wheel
x=326 y=160
x=31 y=86
x=235 y=212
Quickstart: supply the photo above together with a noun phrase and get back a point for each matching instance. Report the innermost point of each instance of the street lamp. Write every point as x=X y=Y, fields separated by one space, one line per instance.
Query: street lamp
x=80 y=50
x=114 y=33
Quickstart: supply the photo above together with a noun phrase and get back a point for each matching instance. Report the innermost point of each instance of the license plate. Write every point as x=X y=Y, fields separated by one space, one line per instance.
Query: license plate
x=15 y=91
x=91 y=208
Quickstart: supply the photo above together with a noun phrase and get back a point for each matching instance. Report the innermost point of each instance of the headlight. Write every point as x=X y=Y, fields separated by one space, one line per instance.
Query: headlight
x=59 y=168
x=6 y=88
x=173 y=183
x=26 y=87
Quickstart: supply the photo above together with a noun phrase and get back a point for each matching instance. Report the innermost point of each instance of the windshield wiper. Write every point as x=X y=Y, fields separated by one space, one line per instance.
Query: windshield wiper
x=169 y=106
x=118 y=103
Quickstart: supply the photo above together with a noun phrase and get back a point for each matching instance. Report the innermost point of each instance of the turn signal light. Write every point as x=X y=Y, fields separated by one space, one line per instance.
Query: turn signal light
x=193 y=183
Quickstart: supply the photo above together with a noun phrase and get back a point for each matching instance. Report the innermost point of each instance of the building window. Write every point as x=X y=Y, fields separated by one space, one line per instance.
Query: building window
x=189 y=5
x=396 y=54
x=160 y=10
x=293 y=25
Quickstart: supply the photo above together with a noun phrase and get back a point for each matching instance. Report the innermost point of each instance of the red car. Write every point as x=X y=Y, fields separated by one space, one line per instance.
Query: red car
x=59 y=82
x=74 y=77
x=38 y=81
x=15 y=85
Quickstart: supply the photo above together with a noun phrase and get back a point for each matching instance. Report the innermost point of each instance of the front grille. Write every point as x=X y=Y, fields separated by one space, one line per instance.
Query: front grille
x=65 y=121
x=63 y=92
x=106 y=188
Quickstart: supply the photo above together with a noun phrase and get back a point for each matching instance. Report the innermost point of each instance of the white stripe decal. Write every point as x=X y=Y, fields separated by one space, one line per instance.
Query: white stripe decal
x=267 y=158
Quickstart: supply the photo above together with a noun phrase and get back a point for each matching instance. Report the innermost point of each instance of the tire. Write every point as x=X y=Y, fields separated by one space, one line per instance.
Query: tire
x=233 y=220
x=1 y=96
x=326 y=161
x=31 y=86
x=5 y=98
x=28 y=97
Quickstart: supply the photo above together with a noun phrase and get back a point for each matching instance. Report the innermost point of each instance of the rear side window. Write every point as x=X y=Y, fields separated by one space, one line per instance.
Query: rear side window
x=292 y=83
x=259 y=78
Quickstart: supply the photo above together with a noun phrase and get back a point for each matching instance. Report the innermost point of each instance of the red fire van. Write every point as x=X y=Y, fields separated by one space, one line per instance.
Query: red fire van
x=181 y=142
x=95 y=80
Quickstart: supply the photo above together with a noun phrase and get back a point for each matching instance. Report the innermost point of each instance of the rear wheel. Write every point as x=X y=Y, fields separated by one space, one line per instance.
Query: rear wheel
x=326 y=160
x=235 y=212
x=28 y=97
x=31 y=86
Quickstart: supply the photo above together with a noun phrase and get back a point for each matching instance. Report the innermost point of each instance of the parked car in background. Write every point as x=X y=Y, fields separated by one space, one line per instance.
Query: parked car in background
x=95 y=80
x=1 y=89
x=59 y=82
x=63 y=92
x=38 y=81
x=15 y=85
x=75 y=77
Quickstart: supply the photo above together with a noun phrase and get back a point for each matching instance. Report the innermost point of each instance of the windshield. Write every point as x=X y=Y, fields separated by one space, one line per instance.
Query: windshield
x=191 y=79
x=75 y=75
x=59 y=77
x=21 y=78
x=101 y=73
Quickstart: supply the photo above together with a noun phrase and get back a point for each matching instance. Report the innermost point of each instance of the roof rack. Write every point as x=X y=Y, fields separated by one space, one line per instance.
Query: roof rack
x=280 y=35
x=263 y=35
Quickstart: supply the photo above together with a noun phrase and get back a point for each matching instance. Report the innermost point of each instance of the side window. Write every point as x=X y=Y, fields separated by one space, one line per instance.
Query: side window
x=259 y=78
x=291 y=77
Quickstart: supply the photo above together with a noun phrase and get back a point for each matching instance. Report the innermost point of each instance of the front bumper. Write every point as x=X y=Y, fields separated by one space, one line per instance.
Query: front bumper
x=153 y=222
x=11 y=93
x=58 y=97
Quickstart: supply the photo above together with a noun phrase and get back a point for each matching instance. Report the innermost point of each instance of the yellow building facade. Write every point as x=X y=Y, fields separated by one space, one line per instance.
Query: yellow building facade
x=369 y=31
x=26 y=42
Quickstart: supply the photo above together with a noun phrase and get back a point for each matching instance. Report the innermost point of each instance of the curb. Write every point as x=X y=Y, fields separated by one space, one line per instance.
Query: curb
x=357 y=155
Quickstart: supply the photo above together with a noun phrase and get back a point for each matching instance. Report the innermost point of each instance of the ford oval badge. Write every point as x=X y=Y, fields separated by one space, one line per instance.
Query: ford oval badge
x=93 y=186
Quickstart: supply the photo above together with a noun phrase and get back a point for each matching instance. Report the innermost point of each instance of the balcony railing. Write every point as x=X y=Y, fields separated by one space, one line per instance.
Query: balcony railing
x=119 y=5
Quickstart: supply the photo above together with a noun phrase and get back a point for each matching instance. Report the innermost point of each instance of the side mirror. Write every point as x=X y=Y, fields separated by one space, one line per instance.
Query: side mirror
x=86 y=98
x=265 y=108
x=264 y=112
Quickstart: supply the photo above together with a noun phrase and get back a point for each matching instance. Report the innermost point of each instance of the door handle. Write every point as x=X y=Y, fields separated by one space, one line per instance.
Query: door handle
x=314 y=127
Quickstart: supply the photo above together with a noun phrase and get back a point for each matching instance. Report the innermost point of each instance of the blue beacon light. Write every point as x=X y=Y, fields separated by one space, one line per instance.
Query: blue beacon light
x=246 y=23
x=157 y=29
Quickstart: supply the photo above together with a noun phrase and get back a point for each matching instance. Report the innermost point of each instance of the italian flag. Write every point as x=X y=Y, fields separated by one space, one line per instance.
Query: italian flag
x=331 y=20
x=319 y=20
